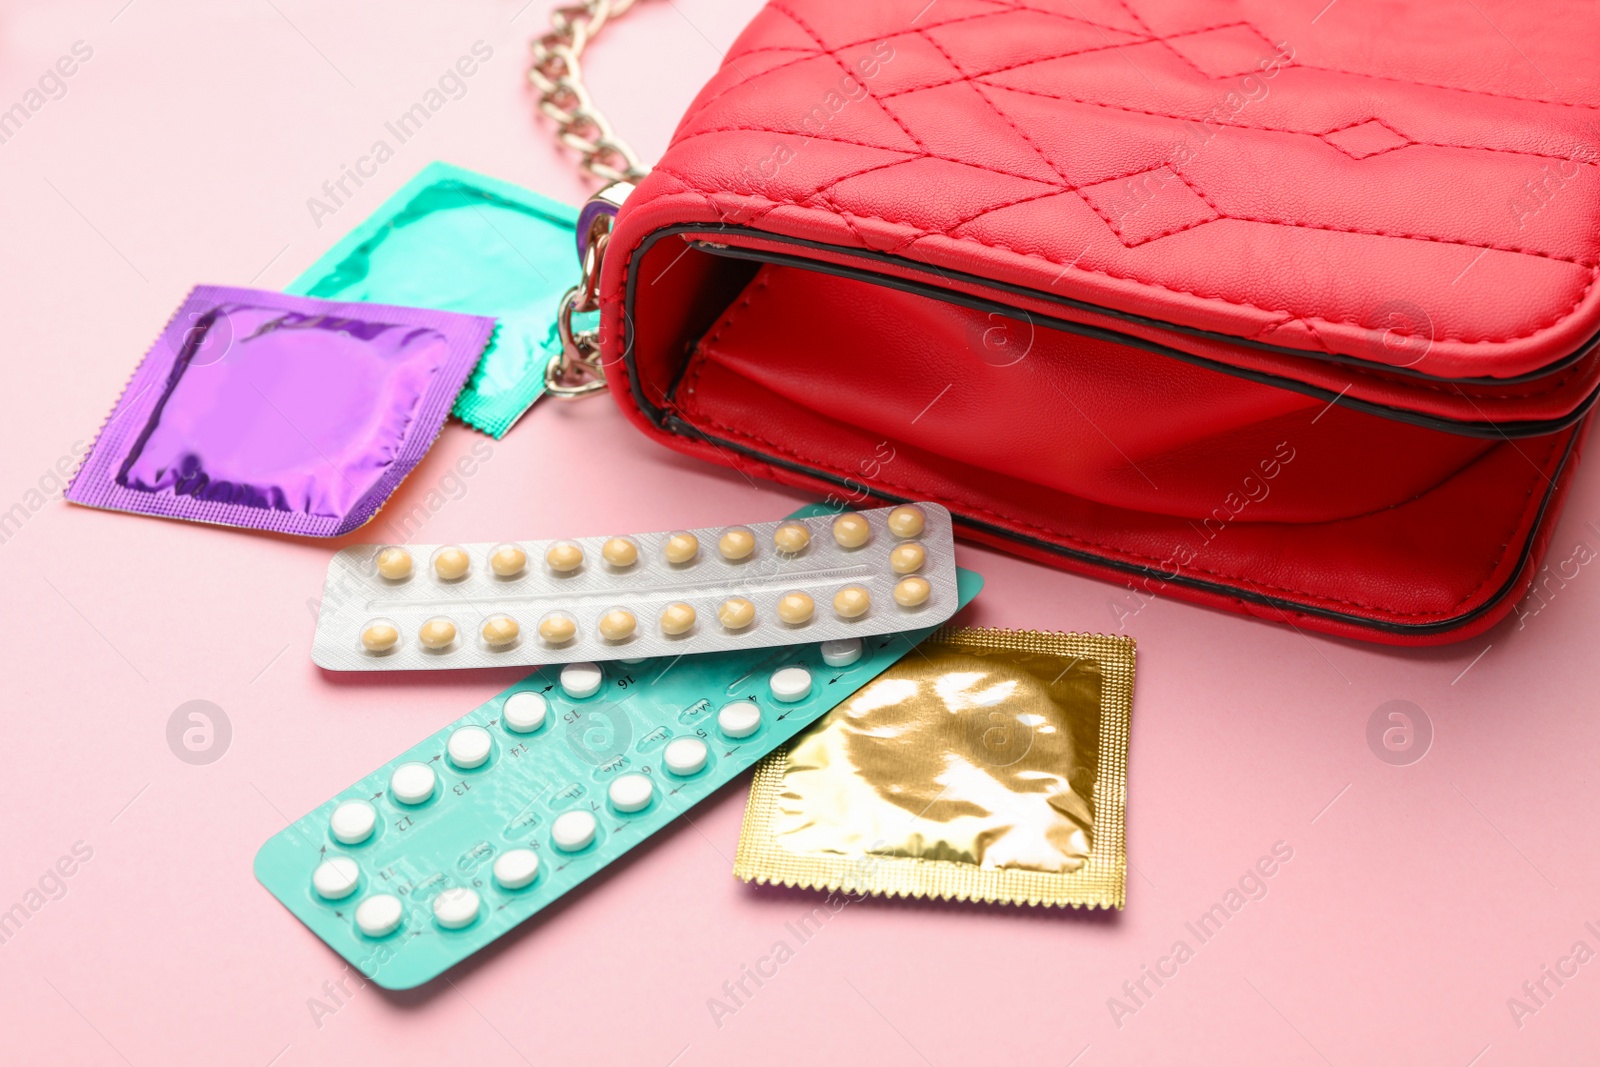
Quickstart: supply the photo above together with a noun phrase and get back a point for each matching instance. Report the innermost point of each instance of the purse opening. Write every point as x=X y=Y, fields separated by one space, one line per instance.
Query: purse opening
x=1084 y=449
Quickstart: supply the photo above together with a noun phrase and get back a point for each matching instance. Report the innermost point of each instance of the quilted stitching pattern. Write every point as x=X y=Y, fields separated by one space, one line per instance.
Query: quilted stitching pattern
x=1150 y=205
x=1219 y=165
x=1370 y=138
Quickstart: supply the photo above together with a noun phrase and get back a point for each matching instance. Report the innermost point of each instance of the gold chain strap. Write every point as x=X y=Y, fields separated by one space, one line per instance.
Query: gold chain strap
x=564 y=100
x=581 y=127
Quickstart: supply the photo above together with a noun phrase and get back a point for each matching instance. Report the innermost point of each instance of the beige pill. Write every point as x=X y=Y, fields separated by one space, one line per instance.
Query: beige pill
x=394 y=563
x=557 y=629
x=677 y=619
x=851 y=530
x=736 y=543
x=501 y=630
x=620 y=552
x=616 y=624
x=851 y=602
x=508 y=560
x=736 y=613
x=564 y=557
x=906 y=521
x=437 y=633
x=909 y=592
x=379 y=637
x=451 y=563
x=681 y=547
x=907 y=558
x=796 y=608
x=791 y=537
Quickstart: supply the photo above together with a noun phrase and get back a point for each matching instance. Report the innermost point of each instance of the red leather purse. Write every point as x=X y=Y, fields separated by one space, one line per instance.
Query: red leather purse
x=1286 y=315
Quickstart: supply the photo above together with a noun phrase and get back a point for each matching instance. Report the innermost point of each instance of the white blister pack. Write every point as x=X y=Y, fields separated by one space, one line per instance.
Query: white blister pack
x=815 y=578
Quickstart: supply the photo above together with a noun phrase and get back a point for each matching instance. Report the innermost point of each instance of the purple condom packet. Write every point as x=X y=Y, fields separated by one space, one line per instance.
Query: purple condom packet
x=277 y=412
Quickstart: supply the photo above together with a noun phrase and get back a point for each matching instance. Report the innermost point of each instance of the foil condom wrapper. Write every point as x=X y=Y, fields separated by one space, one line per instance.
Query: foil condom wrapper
x=989 y=765
x=460 y=241
x=282 y=413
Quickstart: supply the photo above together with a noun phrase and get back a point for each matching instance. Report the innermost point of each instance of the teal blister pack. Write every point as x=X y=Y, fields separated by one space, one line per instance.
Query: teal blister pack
x=464 y=836
x=454 y=240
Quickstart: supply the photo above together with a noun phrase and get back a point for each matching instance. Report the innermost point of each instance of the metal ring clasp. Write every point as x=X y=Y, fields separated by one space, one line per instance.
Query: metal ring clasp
x=577 y=371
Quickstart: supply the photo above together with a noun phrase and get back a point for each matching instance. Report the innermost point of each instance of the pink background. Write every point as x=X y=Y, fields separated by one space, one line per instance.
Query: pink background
x=1419 y=898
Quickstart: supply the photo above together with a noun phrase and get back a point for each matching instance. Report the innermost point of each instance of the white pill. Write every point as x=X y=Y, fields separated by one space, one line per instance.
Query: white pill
x=412 y=783
x=579 y=680
x=685 y=756
x=790 y=684
x=455 y=907
x=524 y=712
x=336 y=877
x=380 y=915
x=469 y=747
x=841 y=653
x=739 y=719
x=351 y=822
x=516 y=868
x=631 y=792
x=572 y=830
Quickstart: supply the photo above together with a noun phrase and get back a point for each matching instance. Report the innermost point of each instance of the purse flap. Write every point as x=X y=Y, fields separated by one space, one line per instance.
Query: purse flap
x=1407 y=186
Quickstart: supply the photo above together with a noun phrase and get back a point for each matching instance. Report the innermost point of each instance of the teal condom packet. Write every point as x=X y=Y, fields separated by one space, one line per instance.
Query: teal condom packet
x=462 y=837
x=454 y=240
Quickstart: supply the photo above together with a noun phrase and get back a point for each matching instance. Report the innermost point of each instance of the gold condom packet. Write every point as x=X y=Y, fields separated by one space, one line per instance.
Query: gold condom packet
x=988 y=765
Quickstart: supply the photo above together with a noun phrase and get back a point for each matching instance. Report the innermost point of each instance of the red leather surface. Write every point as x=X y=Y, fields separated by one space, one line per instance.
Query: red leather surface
x=1088 y=418
x=1401 y=167
x=1395 y=195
